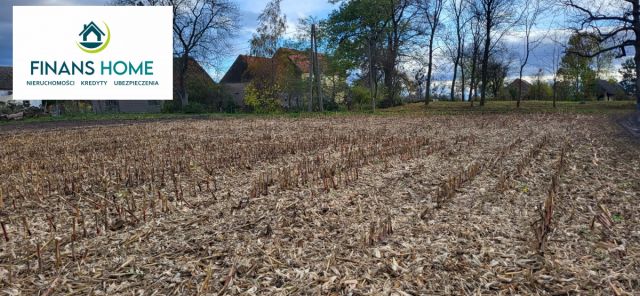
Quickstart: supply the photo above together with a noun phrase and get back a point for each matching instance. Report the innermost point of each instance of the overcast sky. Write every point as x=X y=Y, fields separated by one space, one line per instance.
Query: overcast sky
x=294 y=10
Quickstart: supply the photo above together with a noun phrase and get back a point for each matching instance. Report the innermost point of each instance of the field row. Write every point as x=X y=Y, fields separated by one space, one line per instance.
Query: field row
x=361 y=205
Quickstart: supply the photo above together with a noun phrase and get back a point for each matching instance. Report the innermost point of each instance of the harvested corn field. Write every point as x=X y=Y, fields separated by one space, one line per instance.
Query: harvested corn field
x=362 y=205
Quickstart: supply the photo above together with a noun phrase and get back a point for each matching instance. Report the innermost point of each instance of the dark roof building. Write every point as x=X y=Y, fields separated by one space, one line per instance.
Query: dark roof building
x=514 y=88
x=608 y=91
x=196 y=76
x=241 y=69
x=6 y=84
x=6 y=78
x=245 y=68
x=194 y=72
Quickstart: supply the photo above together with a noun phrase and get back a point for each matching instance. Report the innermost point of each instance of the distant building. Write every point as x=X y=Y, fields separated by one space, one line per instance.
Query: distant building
x=239 y=76
x=198 y=83
x=609 y=91
x=243 y=69
x=514 y=89
x=6 y=84
x=126 y=106
x=196 y=77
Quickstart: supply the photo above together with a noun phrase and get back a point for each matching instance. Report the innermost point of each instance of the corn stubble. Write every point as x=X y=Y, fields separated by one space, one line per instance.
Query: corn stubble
x=322 y=206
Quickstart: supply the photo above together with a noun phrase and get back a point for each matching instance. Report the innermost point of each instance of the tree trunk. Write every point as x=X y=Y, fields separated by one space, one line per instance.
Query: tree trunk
x=637 y=60
x=636 y=26
x=455 y=76
x=520 y=87
x=636 y=23
x=317 y=67
x=555 y=91
x=458 y=59
x=389 y=66
x=462 y=81
x=473 y=81
x=427 y=97
x=182 y=89
x=371 y=90
x=577 y=91
x=311 y=76
x=485 y=61
x=524 y=63
x=334 y=89
x=388 y=80
x=461 y=65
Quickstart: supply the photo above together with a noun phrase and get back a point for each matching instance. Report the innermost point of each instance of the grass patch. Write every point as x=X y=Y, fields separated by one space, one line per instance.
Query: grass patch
x=499 y=107
x=434 y=108
x=96 y=117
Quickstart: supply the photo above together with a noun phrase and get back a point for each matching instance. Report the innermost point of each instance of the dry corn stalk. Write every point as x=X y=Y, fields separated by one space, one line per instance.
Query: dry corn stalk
x=27 y=231
x=501 y=185
x=4 y=232
x=603 y=217
x=38 y=248
x=58 y=259
x=543 y=227
x=205 y=284
x=373 y=236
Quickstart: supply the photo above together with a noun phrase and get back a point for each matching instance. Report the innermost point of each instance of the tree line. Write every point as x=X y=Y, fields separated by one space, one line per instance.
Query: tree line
x=381 y=52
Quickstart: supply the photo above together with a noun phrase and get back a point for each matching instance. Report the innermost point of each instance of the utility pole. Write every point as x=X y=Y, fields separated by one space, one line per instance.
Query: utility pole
x=311 y=73
x=373 y=100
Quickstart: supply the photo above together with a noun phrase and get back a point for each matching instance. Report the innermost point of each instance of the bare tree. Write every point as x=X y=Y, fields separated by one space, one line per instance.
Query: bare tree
x=457 y=10
x=498 y=17
x=431 y=10
x=531 y=13
x=272 y=25
x=615 y=27
x=201 y=30
x=474 y=55
x=554 y=63
x=400 y=16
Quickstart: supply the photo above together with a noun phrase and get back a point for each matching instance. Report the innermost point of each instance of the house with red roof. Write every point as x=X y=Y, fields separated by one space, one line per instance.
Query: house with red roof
x=246 y=68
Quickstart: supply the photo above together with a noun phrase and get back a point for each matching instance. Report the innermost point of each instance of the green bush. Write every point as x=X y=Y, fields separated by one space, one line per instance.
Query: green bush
x=540 y=91
x=229 y=105
x=331 y=105
x=262 y=100
x=360 y=95
x=194 y=108
x=170 y=106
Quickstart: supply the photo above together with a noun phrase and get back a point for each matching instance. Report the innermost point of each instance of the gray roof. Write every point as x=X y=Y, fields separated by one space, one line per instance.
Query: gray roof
x=603 y=86
x=6 y=78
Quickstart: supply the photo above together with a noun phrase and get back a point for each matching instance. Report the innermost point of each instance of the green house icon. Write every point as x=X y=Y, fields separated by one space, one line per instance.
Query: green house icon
x=91 y=28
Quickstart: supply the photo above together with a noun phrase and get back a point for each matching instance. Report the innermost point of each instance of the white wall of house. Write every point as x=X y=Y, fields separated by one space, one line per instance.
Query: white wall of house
x=5 y=96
